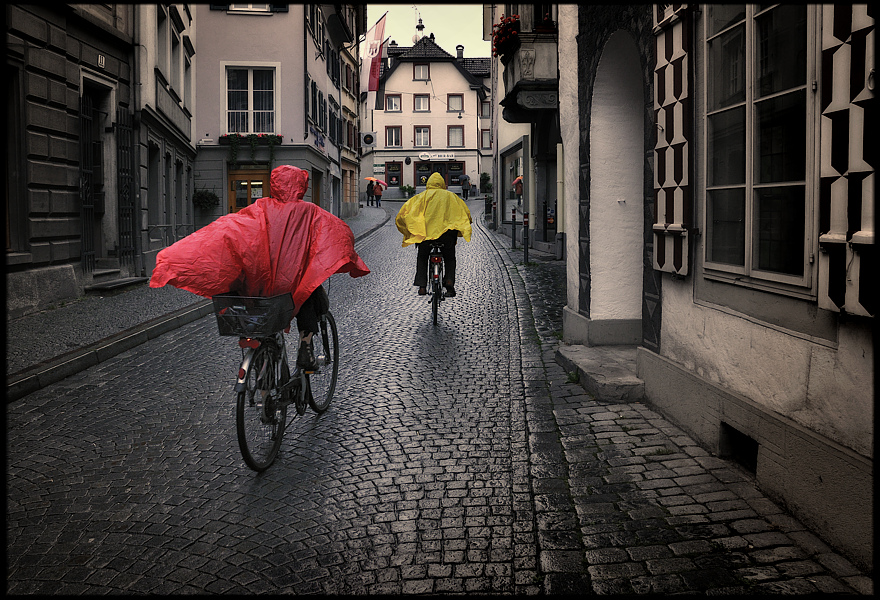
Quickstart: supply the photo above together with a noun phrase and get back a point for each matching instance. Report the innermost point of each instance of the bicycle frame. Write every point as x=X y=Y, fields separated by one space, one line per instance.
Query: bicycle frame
x=435 y=265
x=250 y=345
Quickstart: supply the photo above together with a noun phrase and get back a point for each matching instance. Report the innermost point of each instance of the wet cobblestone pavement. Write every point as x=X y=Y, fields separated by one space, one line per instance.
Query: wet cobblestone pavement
x=454 y=459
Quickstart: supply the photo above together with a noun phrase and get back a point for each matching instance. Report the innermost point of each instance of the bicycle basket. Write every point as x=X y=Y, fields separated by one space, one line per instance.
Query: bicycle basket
x=252 y=316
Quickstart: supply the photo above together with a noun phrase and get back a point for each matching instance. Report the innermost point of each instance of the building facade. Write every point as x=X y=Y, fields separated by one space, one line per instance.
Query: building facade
x=432 y=114
x=164 y=151
x=282 y=98
x=70 y=215
x=721 y=180
x=525 y=79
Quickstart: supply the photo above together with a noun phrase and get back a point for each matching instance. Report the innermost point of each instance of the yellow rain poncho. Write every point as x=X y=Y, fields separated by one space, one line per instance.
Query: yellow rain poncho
x=429 y=215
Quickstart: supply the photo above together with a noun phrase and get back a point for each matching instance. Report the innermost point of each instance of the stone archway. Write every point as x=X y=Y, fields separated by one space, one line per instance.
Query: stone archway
x=617 y=188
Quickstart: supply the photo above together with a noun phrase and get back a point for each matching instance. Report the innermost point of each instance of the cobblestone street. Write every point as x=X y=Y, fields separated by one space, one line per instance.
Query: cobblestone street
x=457 y=458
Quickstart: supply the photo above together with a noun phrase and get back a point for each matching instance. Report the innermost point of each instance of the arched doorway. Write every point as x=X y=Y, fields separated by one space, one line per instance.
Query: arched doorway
x=617 y=188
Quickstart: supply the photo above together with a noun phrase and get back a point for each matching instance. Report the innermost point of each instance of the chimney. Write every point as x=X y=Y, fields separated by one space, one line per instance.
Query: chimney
x=460 y=50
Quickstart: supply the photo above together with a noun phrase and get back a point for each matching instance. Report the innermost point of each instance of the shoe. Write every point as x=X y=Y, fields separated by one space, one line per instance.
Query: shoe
x=450 y=291
x=422 y=291
x=305 y=360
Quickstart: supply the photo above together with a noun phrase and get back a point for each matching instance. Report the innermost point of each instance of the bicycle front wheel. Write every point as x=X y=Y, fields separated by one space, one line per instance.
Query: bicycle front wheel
x=260 y=416
x=322 y=383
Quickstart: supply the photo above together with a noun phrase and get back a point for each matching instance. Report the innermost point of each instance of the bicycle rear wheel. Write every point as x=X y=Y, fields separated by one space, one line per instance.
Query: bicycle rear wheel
x=322 y=383
x=260 y=417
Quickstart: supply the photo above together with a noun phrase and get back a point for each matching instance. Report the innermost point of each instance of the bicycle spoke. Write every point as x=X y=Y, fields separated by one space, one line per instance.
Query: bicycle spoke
x=260 y=415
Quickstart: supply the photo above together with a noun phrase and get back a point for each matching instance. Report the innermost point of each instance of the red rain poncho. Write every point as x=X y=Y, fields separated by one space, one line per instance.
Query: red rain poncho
x=275 y=245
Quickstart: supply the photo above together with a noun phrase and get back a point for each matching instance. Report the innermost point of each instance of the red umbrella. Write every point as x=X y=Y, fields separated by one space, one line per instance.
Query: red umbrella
x=377 y=180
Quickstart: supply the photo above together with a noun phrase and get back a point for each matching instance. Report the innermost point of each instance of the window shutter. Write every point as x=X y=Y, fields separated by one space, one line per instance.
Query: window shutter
x=673 y=110
x=847 y=250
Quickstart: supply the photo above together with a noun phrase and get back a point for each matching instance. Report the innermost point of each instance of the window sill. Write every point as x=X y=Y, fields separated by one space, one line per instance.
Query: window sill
x=760 y=285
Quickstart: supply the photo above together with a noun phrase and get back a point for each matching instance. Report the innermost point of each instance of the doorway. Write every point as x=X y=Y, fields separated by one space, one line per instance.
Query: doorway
x=246 y=187
x=617 y=188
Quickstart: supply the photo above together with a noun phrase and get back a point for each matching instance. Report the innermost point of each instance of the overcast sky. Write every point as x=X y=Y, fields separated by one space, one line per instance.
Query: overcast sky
x=451 y=24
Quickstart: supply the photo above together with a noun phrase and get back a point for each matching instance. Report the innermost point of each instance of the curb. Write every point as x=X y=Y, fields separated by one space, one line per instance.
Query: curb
x=53 y=370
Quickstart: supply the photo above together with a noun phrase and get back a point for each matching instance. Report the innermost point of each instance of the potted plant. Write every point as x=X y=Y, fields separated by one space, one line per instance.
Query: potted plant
x=408 y=190
x=505 y=36
x=205 y=199
x=233 y=140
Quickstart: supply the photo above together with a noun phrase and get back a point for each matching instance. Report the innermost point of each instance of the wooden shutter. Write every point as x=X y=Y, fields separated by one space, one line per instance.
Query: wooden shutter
x=673 y=111
x=848 y=154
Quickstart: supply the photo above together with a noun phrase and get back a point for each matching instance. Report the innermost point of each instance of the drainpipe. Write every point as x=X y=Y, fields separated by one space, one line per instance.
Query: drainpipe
x=306 y=72
x=560 y=202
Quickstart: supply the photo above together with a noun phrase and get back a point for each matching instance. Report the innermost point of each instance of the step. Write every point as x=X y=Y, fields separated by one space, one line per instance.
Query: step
x=115 y=284
x=607 y=372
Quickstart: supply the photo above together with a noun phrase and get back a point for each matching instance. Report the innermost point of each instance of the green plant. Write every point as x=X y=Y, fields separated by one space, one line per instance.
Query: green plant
x=574 y=377
x=485 y=184
x=408 y=190
x=254 y=140
x=205 y=199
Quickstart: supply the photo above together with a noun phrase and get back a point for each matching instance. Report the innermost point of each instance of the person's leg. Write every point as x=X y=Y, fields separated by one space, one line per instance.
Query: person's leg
x=307 y=323
x=421 y=279
x=449 y=240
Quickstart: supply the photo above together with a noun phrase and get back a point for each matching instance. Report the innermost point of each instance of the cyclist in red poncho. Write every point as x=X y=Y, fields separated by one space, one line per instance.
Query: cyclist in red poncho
x=276 y=245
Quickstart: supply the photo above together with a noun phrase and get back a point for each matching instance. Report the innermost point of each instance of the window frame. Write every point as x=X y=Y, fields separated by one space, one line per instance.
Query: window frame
x=276 y=83
x=483 y=144
x=399 y=99
x=749 y=274
x=427 y=67
x=416 y=129
x=449 y=98
x=426 y=97
x=449 y=129
x=392 y=129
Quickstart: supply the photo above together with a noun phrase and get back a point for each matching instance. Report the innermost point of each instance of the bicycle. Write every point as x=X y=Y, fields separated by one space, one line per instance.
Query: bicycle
x=265 y=386
x=436 y=274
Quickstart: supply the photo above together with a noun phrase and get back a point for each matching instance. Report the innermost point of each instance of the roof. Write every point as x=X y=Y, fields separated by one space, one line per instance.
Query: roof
x=427 y=49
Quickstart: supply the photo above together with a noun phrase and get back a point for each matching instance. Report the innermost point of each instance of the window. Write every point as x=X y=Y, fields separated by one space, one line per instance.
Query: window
x=485 y=138
x=421 y=72
x=392 y=103
x=250 y=100
x=455 y=102
x=175 y=64
x=421 y=103
x=162 y=41
x=422 y=137
x=393 y=137
x=485 y=110
x=455 y=136
x=758 y=203
x=263 y=8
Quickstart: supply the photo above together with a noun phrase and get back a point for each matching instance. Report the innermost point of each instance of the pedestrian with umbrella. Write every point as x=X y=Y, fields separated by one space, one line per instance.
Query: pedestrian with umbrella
x=377 y=191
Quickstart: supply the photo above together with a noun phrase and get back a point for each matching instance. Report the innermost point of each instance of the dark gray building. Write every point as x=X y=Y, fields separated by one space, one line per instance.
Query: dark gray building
x=70 y=217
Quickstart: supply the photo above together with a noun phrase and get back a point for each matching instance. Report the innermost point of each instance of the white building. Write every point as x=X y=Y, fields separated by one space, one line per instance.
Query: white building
x=720 y=222
x=433 y=115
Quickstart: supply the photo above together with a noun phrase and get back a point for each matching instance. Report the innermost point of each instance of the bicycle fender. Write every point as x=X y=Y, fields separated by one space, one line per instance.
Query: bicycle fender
x=243 y=369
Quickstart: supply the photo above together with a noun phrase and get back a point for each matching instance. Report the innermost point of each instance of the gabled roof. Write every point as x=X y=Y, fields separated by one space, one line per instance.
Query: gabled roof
x=473 y=69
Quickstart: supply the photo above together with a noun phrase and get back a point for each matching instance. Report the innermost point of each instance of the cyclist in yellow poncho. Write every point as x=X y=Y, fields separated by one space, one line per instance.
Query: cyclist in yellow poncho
x=435 y=214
